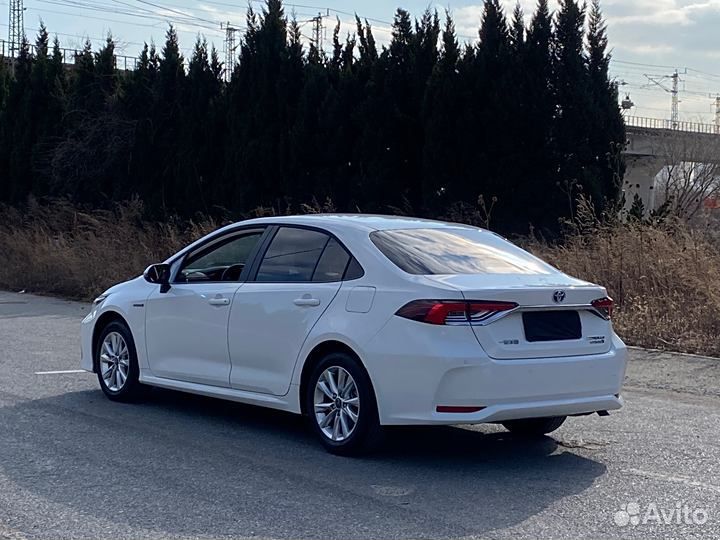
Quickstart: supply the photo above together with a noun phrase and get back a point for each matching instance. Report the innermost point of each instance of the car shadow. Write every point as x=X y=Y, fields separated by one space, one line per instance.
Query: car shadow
x=186 y=465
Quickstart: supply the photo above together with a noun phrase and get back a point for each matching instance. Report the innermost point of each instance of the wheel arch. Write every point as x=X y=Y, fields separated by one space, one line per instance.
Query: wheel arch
x=318 y=353
x=103 y=320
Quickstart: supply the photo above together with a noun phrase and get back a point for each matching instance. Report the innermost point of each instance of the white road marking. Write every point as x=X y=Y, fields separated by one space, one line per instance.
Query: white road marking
x=392 y=491
x=674 y=479
x=62 y=372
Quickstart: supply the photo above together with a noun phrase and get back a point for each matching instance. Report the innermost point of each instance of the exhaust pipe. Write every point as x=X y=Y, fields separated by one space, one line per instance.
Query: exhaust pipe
x=603 y=413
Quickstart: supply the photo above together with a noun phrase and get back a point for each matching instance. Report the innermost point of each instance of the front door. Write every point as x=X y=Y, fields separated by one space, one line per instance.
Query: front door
x=186 y=327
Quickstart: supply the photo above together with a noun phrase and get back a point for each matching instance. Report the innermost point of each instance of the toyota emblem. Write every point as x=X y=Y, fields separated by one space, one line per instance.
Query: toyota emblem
x=559 y=297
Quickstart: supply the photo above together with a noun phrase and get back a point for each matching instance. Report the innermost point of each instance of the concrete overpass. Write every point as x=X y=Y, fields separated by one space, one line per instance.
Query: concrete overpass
x=654 y=144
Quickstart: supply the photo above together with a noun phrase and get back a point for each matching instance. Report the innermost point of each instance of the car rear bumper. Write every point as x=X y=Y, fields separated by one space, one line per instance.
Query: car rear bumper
x=517 y=410
x=445 y=367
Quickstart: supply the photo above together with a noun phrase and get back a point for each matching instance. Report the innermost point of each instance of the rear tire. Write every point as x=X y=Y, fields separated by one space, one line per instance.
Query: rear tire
x=341 y=407
x=534 y=427
x=116 y=362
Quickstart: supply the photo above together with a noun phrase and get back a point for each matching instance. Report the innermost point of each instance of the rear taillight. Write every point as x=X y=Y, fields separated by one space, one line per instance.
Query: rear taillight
x=604 y=306
x=453 y=312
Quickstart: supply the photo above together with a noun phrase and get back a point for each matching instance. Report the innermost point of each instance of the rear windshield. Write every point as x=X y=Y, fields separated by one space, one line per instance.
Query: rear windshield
x=455 y=251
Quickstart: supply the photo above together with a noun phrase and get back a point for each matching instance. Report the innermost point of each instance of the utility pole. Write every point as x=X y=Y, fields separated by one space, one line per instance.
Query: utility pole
x=230 y=49
x=317 y=30
x=674 y=111
x=16 y=27
x=674 y=92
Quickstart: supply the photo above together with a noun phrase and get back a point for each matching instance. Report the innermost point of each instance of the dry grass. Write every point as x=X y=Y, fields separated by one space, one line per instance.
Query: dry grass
x=665 y=279
x=57 y=249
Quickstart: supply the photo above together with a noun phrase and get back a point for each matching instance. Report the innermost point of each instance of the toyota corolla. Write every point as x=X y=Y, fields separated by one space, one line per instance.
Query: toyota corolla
x=360 y=322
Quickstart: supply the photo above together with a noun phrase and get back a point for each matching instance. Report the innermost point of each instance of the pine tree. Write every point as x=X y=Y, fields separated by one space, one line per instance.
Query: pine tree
x=105 y=73
x=606 y=127
x=517 y=30
x=637 y=209
x=443 y=105
x=539 y=197
x=83 y=81
x=491 y=138
x=528 y=114
x=45 y=105
x=170 y=191
x=572 y=86
x=15 y=150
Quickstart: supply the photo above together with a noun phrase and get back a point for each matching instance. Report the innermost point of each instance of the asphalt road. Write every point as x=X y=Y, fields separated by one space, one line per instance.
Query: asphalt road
x=75 y=465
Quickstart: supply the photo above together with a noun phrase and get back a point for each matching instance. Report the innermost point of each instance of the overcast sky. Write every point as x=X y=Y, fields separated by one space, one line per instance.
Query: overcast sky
x=647 y=37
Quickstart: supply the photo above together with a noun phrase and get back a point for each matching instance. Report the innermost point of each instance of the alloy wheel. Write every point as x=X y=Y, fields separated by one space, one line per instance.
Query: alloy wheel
x=337 y=403
x=114 y=361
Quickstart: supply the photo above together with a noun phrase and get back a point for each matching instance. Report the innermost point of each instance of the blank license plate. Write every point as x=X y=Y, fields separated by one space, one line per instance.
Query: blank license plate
x=551 y=325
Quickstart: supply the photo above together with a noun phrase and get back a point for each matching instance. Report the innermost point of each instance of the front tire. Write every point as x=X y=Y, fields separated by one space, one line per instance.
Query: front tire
x=534 y=427
x=341 y=407
x=117 y=365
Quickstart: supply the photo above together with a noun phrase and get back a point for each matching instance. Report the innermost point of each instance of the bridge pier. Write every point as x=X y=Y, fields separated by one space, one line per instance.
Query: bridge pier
x=640 y=178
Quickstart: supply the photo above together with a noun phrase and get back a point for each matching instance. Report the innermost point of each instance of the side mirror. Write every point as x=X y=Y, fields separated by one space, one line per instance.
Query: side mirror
x=158 y=274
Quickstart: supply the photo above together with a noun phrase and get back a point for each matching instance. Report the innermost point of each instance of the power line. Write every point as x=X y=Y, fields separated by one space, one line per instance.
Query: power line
x=144 y=13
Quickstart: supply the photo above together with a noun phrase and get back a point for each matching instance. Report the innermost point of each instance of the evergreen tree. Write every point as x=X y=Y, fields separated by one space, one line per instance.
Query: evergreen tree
x=527 y=115
x=517 y=30
x=488 y=163
x=540 y=197
x=637 y=209
x=16 y=147
x=44 y=111
x=571 y=84
x=168 y=190
x=443 y=106
x=605 y=128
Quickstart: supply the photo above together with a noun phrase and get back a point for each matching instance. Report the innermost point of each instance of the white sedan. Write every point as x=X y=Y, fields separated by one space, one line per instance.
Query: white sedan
x=360 y=322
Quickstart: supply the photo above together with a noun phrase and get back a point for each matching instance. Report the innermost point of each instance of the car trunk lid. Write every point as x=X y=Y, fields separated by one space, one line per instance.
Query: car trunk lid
x=553 y=317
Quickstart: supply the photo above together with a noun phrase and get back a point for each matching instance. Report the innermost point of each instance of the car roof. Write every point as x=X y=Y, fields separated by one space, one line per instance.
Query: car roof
x=367 y=222
x=334 y=223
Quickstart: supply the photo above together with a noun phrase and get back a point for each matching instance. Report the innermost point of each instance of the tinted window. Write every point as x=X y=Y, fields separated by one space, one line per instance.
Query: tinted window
x=455 y=251
x=333 y=262
x=292 y=256
x=223 y=260
x=354 y=270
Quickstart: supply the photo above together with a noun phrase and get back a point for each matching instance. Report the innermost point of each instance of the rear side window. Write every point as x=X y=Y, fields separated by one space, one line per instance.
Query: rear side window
x=455 y=251
x=292 y=255
x=332 y=263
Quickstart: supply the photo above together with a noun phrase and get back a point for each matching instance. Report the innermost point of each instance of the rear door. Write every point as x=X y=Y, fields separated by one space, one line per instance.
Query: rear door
x=273 y=312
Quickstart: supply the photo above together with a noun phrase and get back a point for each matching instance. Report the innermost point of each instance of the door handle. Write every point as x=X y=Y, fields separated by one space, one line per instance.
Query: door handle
x=219 y=301
x=306 y=301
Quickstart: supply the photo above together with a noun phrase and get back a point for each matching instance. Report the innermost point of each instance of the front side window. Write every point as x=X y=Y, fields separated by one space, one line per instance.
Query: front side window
x=455 y=251
x=223 y=260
